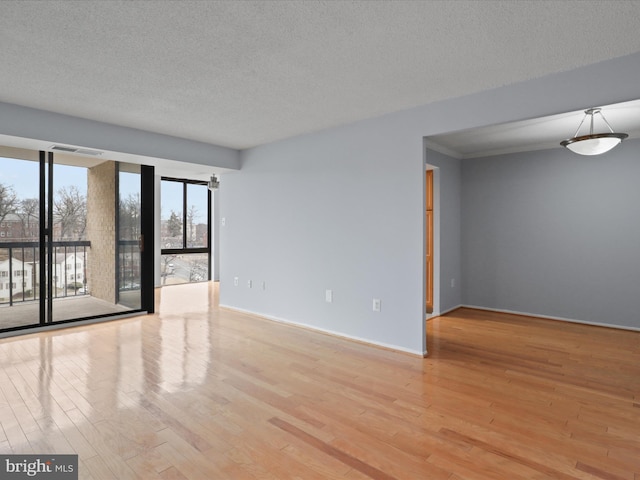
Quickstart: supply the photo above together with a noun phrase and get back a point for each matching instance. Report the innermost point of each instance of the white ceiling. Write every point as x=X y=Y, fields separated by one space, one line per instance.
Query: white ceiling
x=536 y=133
x=244 y=73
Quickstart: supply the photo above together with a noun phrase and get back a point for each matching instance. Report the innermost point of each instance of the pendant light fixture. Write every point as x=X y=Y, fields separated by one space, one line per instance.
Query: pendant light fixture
x=593 y=143
x=214 y=183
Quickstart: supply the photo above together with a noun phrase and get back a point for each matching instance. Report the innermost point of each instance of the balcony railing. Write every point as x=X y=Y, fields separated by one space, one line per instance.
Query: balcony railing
x=20 y=270
x=129 y=264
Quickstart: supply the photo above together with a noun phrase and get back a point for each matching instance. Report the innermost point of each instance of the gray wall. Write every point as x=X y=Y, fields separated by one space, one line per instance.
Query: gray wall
x=343 y=209
x=328 y=211
x=215 y=232
x=19 y=121
x=554 y=233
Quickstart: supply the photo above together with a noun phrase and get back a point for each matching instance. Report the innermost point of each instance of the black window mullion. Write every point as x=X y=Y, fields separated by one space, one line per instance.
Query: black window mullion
x=209 y=222
x=50 y=287
x=147 y=187
x=184 y=216
x=42 y=251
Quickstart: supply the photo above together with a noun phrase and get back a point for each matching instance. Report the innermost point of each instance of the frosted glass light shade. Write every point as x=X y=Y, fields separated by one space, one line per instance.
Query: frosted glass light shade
x=594 y=144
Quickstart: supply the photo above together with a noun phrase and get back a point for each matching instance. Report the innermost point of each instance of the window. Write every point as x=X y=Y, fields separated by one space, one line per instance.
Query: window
x=185 y=231
x=3 y=273
x=17 y=273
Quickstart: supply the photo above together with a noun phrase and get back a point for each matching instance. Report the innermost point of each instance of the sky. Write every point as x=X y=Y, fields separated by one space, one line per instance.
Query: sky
x=23 y=176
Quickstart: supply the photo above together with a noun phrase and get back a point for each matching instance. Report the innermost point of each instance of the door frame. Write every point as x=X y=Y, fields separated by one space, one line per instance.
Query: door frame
x=429 y=238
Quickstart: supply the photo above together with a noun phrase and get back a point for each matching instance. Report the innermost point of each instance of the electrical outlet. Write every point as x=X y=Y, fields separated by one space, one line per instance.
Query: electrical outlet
x=223 y=221
x=328 y=296
x=236 y=281
x=249 y=283
x=453 y=283
x=376 y=305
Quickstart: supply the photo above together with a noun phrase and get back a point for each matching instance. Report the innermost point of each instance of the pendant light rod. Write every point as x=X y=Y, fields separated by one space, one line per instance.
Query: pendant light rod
x=580 y=126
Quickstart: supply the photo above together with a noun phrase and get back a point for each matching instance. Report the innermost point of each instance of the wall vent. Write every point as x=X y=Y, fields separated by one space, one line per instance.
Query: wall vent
x=60 y=148
x=80 y=151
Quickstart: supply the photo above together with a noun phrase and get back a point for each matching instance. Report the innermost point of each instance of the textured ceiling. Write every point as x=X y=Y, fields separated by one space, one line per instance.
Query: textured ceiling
x=244 y=73
x=537 y=133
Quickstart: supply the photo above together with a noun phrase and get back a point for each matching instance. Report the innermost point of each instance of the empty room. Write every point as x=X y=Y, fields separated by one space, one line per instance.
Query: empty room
x=319 y=240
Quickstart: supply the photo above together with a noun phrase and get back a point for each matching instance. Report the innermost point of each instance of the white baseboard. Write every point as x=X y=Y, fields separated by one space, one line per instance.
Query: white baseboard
x=549 y=317
x=439 y=314
x=449 y=310
x=327 y=331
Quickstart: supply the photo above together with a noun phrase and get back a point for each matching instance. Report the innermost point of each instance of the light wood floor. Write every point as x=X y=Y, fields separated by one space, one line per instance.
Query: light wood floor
x=200 y=393
x=65 y=308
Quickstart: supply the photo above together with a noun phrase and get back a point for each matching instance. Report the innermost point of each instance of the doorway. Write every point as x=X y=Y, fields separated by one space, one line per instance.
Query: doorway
x=71 y=238
x=429 y=240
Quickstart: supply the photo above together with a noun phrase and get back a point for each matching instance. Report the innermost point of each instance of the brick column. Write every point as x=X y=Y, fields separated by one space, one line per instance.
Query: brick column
x=101 y=230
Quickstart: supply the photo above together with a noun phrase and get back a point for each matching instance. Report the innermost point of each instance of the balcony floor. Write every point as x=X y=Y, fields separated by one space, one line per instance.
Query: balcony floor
x=65 y=308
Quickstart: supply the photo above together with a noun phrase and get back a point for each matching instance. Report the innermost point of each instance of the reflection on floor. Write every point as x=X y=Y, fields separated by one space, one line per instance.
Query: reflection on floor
x=67 y=308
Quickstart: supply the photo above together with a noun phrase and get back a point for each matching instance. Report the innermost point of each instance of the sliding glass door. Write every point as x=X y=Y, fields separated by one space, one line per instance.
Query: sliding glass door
x=19 y=239
x=70 y=238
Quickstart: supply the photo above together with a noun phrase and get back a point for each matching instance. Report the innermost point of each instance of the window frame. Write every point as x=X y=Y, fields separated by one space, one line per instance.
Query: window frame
x=184 y=250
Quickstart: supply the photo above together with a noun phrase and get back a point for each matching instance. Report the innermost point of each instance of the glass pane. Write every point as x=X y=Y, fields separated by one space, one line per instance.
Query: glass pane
x=171 y=214
x=129 y=237
x=89 y=275
x=192 y=219
x=94 y=257
x=70 y=251
x=19 y=237
x=197 y=225
x=184 y=268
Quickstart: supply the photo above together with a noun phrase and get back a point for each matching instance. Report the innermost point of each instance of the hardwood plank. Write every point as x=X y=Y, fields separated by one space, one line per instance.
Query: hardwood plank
x=97 y=468
x=12 y=429
x=331 y=451
x=172 y=473
x=383 y=450
x=286 y=405
x=505 y=453
x=330 y=468
x=180 y=460
x=626 y=458
x=605 y=475
x=169 y=419
x=116 y=465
